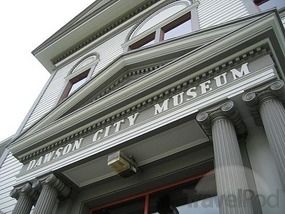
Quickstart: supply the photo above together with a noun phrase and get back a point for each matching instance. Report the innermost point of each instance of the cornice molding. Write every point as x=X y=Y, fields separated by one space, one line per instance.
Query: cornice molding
x=123 y=79
x=102 y=32
x=143 y=104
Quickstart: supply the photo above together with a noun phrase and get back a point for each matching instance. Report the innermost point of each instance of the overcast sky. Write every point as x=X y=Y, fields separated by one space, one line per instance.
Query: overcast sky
x=24 y=26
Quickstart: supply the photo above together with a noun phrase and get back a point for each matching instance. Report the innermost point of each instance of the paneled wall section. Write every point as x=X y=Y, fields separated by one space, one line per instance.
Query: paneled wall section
x=8 y=171
x=212 y=12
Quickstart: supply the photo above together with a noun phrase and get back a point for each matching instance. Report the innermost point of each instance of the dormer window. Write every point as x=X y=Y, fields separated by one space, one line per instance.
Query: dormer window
x=174 y=20
x=80 y=74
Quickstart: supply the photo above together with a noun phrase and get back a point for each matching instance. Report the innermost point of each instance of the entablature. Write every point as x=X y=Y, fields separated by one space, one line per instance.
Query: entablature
x=97 y=117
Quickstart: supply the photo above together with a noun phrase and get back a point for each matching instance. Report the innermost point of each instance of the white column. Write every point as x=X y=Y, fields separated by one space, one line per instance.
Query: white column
x=221 y=123
x=26 y=197
x=51 y=187
x=267 y=104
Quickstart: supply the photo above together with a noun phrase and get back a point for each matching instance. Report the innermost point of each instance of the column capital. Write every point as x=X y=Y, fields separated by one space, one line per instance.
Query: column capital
x=256 y=97
x=226 y=110
x=52 y=181
x=25 y=189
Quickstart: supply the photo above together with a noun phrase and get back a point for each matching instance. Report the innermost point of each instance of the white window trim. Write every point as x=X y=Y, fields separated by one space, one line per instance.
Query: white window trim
x=72 y=74
x=194 y=17
x=90 y=66
x=184 y=3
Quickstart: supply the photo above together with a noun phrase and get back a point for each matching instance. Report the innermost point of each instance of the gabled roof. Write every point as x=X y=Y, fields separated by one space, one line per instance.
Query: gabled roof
x=189 y=55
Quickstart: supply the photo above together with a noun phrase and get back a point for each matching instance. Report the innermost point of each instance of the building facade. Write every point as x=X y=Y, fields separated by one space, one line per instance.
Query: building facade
x=158 y=106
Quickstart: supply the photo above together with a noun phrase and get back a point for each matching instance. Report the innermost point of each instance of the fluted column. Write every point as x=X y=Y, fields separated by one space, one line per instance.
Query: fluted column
x=221 y=123
x=267 y=104
x=51 y=187
x=26 y=197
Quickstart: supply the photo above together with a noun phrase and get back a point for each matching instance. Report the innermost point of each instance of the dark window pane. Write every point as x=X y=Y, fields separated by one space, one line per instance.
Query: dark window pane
x=179 y=30
x=268 y=4
x=76 y=85
x=148 y=43
x=178 y=27
x=148 y=40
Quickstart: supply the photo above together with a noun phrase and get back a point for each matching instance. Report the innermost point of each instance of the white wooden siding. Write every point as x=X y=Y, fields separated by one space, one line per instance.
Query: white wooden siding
x=213 y=12
x=111 y=50
x=108 y=52
x=47 y=100
x=8 y=171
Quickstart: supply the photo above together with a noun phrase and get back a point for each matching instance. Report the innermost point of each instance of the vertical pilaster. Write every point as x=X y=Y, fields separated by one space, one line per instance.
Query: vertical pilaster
x=221 y=123
x=51 y=187
x=26 y=197
x=268 y=105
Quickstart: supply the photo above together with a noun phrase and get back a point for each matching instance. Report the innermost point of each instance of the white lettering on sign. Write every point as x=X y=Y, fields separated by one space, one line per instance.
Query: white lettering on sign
x=191 y=93
x=55 y=154
x=221 y=80
x=158 y=109
x=101 y=133
x=243 y=71
x=203 y=88
x=117 y=126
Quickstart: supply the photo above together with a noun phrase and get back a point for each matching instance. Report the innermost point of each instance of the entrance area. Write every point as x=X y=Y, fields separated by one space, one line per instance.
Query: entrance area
x=196 y=194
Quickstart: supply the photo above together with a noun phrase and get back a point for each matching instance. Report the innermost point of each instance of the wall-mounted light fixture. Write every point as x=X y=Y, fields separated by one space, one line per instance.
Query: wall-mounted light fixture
x=125 y=166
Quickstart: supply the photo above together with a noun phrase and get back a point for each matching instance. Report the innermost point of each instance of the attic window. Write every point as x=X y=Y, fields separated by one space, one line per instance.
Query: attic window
x=79 y=74
x=74 y=83
x=178 y=27
x=259 y=2
x=173 y=20
x=269 y=4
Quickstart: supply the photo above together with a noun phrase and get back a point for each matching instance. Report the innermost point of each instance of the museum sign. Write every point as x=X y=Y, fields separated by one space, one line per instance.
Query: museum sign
x=188 y=95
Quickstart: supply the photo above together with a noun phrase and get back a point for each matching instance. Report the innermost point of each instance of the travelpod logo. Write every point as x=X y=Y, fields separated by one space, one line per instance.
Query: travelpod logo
x=235 y=188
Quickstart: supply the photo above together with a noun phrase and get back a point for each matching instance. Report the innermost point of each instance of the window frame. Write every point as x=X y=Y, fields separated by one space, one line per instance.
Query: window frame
x=259 y=2
x=190 y=10
x=71 y=82
x=264 y=5
x=77 y=74
x=144 y=41
x=175 y=23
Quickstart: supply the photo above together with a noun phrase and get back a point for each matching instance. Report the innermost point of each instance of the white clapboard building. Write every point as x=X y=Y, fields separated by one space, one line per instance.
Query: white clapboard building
x=155 y=106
